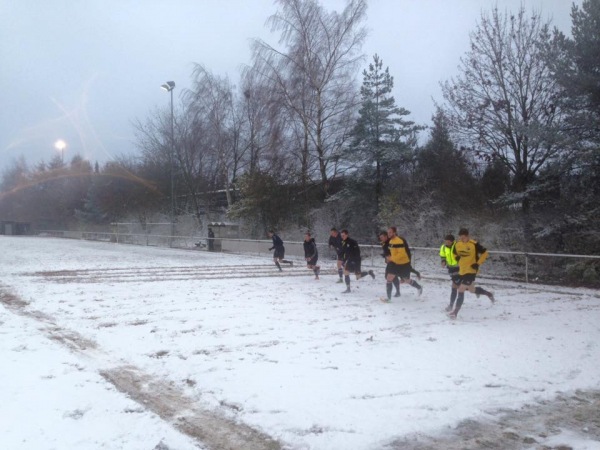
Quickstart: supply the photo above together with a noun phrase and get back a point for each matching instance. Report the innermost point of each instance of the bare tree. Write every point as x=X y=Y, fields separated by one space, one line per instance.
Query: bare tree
x=503 y=104
x=154 y=140
x=215 y=125
x=263 y=122
x=314 y=76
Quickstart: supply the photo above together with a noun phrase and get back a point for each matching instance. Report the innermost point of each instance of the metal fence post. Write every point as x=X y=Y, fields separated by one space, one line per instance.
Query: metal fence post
x=526 y=269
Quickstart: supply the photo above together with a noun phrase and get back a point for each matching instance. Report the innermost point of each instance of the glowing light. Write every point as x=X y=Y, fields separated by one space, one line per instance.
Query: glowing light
x=60 y=145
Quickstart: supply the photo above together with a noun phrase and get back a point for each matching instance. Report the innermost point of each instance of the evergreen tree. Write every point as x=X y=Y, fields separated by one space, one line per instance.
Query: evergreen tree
x=576 y=67
x=576 y=64
x=381 y=133
x=495 y=181
x=444 y=171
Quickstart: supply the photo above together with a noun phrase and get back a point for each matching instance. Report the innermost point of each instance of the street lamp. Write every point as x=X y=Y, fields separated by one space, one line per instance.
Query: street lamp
x=169 y=86
x=60 y=145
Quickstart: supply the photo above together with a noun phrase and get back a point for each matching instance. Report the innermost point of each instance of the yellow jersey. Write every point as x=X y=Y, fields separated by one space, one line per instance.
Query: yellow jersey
x=399 y=250
x=469 y=253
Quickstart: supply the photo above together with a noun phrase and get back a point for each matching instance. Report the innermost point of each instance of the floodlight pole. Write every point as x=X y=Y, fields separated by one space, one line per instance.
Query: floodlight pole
x=60 y=145
x=169 y=86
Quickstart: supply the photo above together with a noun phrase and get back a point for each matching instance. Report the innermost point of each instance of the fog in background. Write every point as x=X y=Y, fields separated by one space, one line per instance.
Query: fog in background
x=83 y=71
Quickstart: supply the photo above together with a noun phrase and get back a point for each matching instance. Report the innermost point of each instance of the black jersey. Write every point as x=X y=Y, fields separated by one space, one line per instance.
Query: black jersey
x=350 y=250
x=336 y=242
x=277 y=243
x=310 y=249
x=385 y=246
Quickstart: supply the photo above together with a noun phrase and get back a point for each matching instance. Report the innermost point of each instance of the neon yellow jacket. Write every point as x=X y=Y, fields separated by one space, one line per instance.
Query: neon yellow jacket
x=447 y=255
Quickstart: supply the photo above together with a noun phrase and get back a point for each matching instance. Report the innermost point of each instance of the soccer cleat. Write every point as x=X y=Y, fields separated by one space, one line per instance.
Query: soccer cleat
x=492 y=298
x=340 y=281
x=477 y=295
x=397 y=294
x=420 y=289
x=385 y=300
x=449 y=308
x=452 y=315
x=372 y=274
x=291 y=263
x=346 y=291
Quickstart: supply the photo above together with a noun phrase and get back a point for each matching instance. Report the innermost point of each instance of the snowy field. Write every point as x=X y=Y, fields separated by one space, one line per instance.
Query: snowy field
x=107 y=346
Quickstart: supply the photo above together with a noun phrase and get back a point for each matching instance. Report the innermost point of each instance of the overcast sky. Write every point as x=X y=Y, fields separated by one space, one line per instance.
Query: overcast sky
x=83 y=70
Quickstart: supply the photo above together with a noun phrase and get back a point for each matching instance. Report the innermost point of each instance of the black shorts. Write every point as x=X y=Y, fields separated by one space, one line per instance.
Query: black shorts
x=401 y=270
x=279 y=253
x=312 y=262
x=352 y=266
x=454 y=276
x=467 y=279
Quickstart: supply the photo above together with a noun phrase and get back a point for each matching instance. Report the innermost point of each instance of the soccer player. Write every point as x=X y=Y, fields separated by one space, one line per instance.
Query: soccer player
x=449 y=262
x=335 y=242
x=398 y=263
x=470 y=255
x=352 y=260
x=384 y=240
x=279 y=252
x=311 y=254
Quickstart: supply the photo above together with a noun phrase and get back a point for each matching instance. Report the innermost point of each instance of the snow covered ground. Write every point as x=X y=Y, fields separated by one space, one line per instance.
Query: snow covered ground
x=123 y=347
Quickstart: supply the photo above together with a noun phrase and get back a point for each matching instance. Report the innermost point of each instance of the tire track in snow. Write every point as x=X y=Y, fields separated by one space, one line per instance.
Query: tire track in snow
x=170 y=404
x=210 y=429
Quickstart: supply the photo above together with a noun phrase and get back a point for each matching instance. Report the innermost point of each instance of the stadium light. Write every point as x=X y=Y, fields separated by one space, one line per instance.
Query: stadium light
x=169 y=86
x=60 y=145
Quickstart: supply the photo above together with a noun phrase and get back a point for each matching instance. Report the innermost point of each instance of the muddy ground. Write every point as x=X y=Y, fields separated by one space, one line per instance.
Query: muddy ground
x=531 y=427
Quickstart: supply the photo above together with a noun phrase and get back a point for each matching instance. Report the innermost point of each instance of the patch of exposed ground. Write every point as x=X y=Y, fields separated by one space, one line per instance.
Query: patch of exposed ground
x=154 y=274
x=172 y=405
x=11 y=301
x=74 y=341
x=530 y=427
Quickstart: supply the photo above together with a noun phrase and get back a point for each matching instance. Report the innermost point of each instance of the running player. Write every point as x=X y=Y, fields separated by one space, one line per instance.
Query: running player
x=470 y=255
x=352 y=260
x=311 y=254
x=279 y=252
